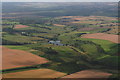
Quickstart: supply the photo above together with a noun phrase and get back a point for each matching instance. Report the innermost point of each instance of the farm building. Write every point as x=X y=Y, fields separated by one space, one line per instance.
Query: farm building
x=55 y=43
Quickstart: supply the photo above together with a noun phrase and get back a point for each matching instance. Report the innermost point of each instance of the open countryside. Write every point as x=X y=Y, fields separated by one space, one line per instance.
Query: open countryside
x=60 y=40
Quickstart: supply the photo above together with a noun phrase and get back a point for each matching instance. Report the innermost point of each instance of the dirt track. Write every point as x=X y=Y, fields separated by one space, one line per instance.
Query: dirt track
x=12 y=58
x=109 y=37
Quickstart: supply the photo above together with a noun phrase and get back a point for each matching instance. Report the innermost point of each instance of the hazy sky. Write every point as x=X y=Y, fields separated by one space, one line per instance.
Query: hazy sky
x=60 y=0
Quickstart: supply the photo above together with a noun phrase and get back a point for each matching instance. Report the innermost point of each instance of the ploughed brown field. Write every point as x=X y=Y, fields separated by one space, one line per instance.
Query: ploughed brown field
x=89 y=74
x=38 y=73
x=21 y=26
x=82 y=18
x=12 y=58
x=109 y=37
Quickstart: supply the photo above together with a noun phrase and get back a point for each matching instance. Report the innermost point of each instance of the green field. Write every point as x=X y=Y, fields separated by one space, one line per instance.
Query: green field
x=25 y=48
x=21 y=39
x=106 y=45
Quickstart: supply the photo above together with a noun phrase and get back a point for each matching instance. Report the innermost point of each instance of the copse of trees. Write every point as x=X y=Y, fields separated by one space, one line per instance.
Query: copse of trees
x=95 y=52
x=7 y=42
x=46 y=50
x=10 y=30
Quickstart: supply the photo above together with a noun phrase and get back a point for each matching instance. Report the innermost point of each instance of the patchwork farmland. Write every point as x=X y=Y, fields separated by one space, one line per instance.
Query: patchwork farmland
x=60 y=40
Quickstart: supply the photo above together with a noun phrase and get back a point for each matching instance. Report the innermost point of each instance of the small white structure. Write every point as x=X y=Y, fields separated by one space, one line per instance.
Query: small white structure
x=56 y=43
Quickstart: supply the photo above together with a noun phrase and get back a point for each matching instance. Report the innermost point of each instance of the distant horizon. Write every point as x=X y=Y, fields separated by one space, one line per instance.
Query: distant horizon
x=60 y=1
